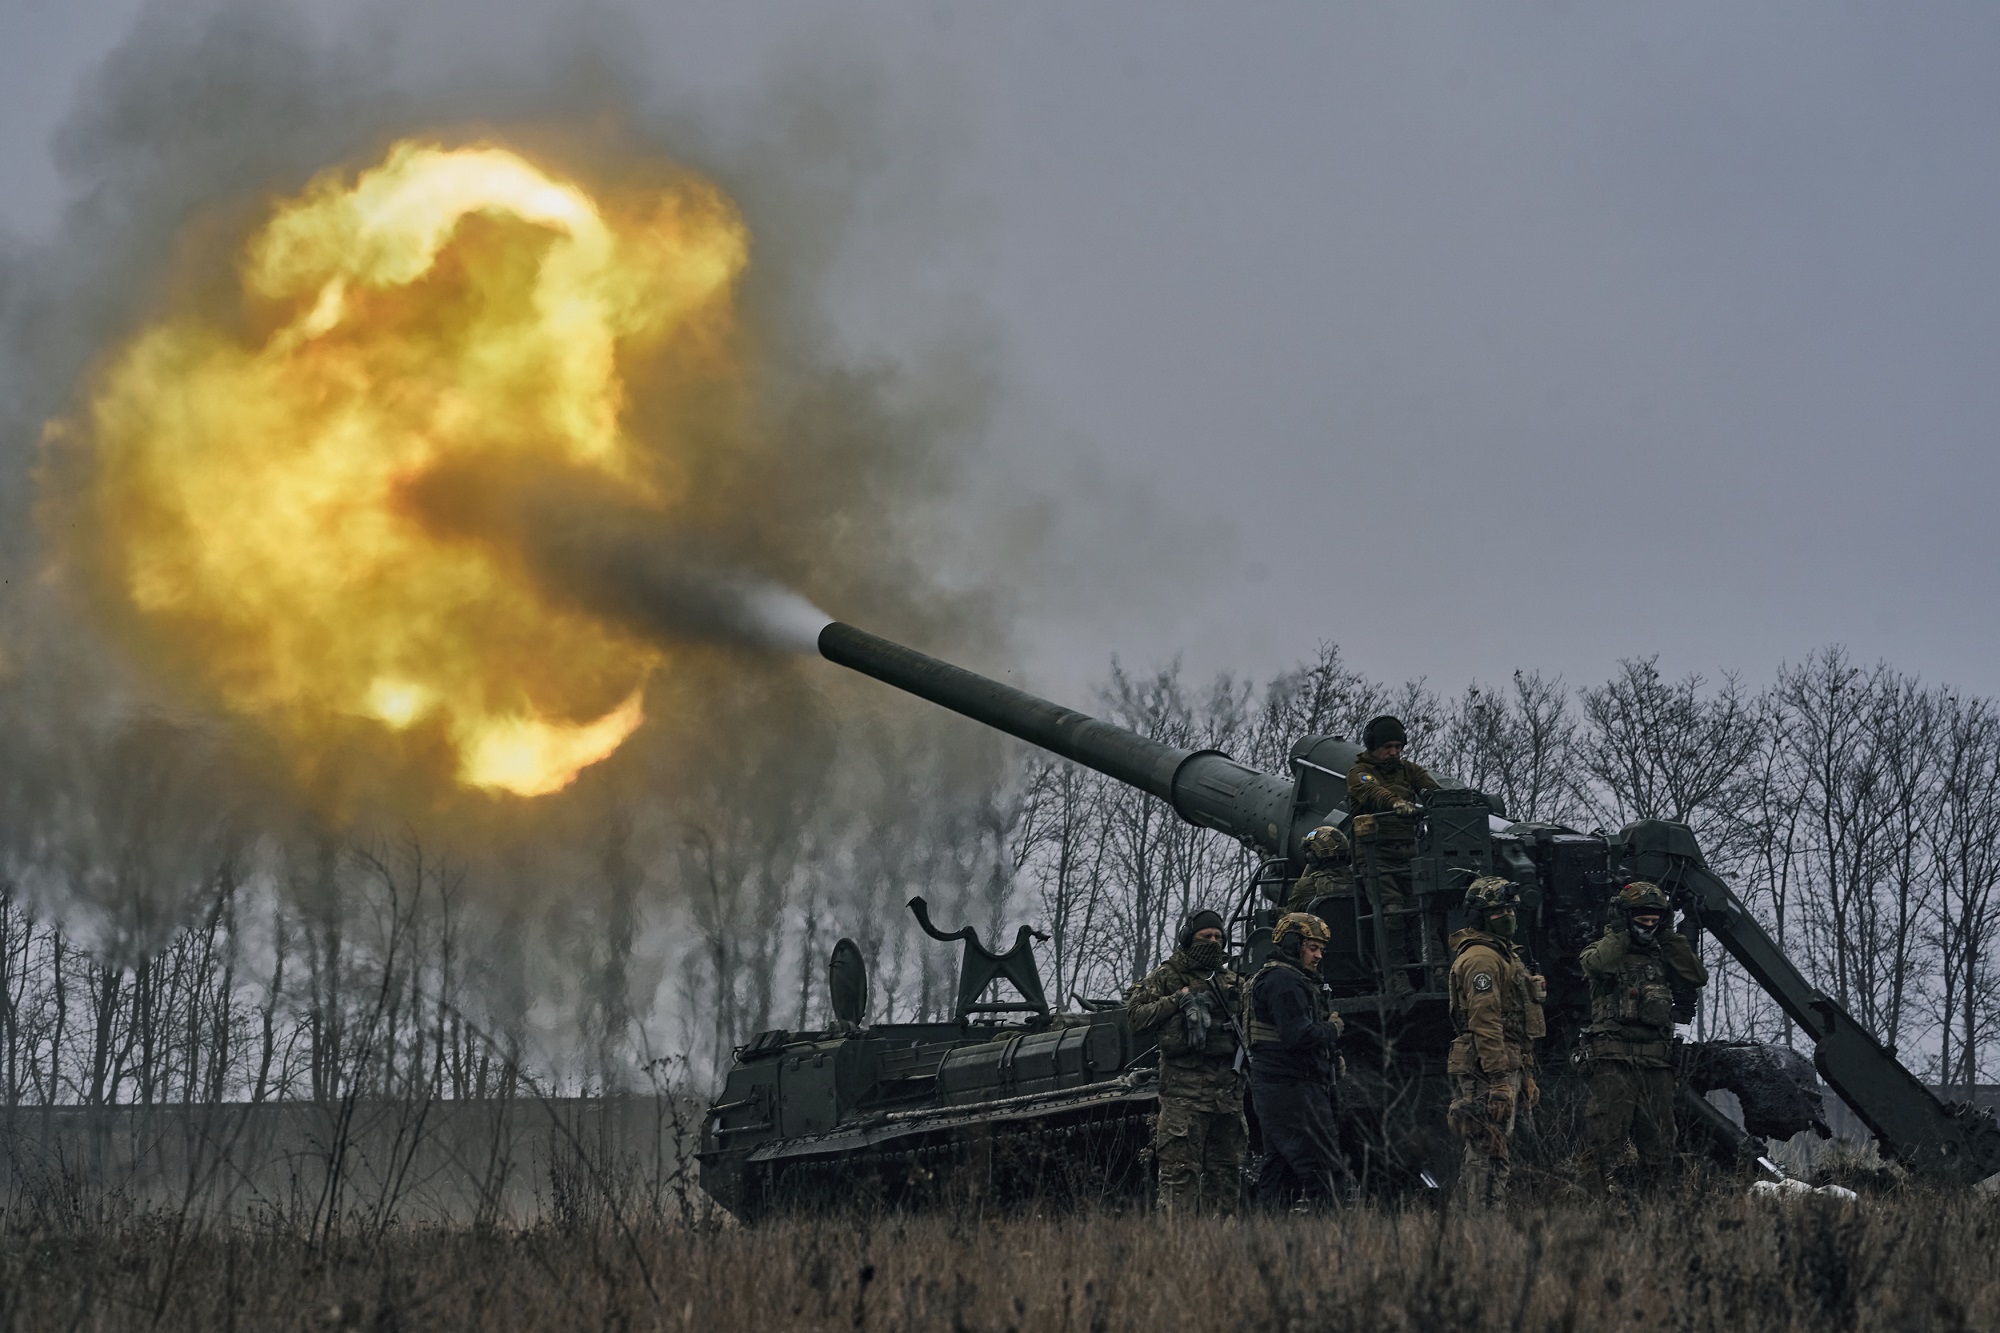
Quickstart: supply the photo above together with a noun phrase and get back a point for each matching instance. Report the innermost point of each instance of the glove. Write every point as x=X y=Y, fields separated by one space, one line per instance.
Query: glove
x=1531 y=1092
x=1198 y=1014
x=1499 y=1102
x=1407 y=809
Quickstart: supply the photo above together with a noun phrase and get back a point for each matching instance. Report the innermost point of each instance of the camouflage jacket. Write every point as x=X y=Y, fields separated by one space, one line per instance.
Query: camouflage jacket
x=1154 y=1010
x=1375 y=785
x=1325 y=877
x=1493 y=1006
x=1631 y=993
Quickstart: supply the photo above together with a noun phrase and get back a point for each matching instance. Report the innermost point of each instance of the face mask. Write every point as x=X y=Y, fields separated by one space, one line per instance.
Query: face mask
x=1503 y=926
x=1644 y=934
x=1205 y=955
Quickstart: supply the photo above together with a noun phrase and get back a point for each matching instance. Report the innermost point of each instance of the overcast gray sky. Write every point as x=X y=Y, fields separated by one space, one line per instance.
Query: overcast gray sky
x=1474 y=336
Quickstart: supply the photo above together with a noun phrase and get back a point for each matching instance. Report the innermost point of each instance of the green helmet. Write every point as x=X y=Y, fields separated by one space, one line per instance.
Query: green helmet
x=1326 y=843
x=1491 y=893
x=1641 y=896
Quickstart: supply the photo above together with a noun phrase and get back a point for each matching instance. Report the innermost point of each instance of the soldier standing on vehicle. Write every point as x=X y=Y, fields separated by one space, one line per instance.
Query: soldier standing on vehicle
x=1628 y=1047
x=1496 y=1005
x=1383 y=784
x=1294 y=1037
x=1192 y=1004
x=1329 y=869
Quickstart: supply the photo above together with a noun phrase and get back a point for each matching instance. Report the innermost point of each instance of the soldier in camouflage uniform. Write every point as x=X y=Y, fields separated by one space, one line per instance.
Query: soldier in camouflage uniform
x=1496 y=1005
x=1193 y=1005
x=1329 y=869
x=1294 y=1039
x=1629 y=1044
x=1384 y=785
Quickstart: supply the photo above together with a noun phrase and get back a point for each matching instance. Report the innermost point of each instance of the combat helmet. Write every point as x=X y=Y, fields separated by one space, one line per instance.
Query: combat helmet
x=1326 y=843
x=1294 y=928
x=1492 y=893
x=1641 y=895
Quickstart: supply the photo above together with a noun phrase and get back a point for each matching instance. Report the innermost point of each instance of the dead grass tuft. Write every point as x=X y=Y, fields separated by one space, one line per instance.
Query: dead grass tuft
x=1906 y=1260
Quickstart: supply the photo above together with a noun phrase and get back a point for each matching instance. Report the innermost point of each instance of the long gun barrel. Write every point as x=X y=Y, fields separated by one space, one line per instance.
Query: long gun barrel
x=1208 y=788
x=1205 y=787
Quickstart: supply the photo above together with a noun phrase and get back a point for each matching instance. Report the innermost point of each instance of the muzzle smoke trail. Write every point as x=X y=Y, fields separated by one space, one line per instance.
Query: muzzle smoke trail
x=585 y=544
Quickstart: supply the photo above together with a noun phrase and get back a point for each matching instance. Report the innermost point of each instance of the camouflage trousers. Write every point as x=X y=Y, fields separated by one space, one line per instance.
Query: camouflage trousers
x=1199 y=1152
x=1402 y=926
x=1628 y=1103
x=1482 y=1113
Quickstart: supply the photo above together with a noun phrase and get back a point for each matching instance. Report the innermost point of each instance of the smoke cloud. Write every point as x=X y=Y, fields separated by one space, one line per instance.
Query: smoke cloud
x=818 y=481
x=815 y=486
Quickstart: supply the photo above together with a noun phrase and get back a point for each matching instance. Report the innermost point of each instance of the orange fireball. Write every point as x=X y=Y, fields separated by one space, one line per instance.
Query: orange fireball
x=450 y=309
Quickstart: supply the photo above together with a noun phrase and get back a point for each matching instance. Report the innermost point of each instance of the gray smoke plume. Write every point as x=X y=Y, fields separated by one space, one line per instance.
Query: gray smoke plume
x=588 y=546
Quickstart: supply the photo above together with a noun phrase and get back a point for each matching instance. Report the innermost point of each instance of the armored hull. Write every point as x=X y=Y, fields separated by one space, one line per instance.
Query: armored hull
x=1012 y=1098
x=1058 y=1108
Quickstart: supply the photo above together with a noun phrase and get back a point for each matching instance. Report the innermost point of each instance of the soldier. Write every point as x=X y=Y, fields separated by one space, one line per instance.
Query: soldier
x=1380 y=782
x=1496 y=1005
x=1294 y=1034
x=1329 y=869
x=1193 y=1005
x=1629 y=1044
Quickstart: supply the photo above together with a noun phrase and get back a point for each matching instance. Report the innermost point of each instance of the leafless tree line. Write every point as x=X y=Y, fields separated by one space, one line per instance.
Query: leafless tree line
x=159 y=944
x=1855 y=809
x=350 y=980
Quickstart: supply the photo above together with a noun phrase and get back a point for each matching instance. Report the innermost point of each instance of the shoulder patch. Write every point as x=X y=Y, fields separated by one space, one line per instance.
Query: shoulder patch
x=1482 y=981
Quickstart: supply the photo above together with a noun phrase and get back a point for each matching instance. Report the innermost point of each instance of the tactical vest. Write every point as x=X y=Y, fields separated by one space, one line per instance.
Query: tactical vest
x=1331 y=880
x=1521 y=1016
x=1261 y=1032
x=1637 y=1005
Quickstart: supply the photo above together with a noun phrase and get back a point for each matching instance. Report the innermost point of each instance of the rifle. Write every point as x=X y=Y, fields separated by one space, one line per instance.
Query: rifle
x=1242 y=1063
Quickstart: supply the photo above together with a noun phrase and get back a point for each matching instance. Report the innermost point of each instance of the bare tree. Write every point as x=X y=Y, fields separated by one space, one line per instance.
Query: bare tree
x=1060 y=847
x=1842 y=785
x=1962 y=837
x=1659 y=749
x=1519 y=744
x=1168 y=867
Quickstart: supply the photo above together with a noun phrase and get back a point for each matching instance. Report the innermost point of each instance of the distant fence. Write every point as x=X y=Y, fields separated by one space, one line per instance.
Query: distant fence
x=472 y=1161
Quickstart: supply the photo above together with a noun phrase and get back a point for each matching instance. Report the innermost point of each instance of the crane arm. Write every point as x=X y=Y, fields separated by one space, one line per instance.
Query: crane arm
x=1953 y=1141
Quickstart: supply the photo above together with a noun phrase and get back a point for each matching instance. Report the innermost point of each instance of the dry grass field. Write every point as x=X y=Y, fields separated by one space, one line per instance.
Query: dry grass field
x=1902 y=1259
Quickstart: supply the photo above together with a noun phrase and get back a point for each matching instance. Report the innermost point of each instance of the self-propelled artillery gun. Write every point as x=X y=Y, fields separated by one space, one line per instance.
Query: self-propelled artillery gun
x=1010 y=1096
